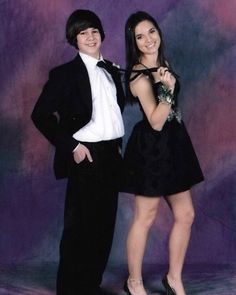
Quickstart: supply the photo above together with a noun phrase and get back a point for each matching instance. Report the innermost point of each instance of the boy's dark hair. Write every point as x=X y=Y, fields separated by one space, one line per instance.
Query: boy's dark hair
x=80 y=20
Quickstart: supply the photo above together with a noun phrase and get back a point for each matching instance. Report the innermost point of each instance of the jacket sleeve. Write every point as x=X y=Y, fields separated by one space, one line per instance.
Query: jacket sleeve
x=46 y=117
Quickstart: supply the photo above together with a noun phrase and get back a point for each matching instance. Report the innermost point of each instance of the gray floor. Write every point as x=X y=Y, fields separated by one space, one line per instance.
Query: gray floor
x=199 y=279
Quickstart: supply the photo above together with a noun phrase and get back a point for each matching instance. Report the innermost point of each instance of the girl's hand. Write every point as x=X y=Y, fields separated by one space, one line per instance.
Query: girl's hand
x=167 y=78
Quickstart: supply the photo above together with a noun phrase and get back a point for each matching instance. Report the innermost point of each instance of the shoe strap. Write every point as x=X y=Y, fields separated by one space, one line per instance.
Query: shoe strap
x=135 y=281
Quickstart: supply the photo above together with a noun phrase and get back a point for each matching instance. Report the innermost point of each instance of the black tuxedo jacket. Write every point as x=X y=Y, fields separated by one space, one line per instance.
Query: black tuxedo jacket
x=65 y=106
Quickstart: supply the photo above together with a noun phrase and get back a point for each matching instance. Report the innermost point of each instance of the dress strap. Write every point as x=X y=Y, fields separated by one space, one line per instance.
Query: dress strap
x=146 y=72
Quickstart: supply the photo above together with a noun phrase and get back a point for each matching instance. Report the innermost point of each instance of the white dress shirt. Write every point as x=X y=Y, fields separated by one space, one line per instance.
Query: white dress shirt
x=106 y=122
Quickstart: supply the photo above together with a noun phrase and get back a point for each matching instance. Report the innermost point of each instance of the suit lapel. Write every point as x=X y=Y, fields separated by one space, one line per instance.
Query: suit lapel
x=82 y=78
x=81 y=74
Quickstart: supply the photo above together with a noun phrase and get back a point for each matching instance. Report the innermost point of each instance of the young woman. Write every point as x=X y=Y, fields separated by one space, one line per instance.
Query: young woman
x=159 y=157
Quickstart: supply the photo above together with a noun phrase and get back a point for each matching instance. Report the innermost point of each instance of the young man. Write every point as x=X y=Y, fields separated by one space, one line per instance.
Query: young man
x=79 y=112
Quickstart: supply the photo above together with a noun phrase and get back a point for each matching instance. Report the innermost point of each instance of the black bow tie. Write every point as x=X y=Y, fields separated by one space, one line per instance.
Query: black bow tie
x=105 y=66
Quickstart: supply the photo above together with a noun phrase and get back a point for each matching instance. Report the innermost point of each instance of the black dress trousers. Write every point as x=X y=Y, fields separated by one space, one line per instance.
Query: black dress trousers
x=89 y=220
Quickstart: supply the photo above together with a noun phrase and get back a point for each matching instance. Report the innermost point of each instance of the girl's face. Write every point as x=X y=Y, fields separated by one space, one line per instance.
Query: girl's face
x=147 y=38
x=89 y=42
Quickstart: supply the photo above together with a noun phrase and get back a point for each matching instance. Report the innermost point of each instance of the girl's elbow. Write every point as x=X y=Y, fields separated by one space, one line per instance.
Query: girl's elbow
x=157 y=126
x=156 y=123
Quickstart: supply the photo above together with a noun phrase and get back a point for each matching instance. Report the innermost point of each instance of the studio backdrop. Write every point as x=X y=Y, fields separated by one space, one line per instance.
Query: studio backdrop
x=199 y=37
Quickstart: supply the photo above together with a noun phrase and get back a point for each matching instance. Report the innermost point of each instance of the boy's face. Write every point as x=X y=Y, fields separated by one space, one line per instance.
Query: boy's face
x=89 y=42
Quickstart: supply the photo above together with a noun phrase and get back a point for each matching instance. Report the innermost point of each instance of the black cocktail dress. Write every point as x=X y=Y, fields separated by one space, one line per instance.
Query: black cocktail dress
x=160 y=163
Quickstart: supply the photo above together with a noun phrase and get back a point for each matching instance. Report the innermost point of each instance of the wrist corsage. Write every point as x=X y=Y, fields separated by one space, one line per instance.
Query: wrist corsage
x=165 y=96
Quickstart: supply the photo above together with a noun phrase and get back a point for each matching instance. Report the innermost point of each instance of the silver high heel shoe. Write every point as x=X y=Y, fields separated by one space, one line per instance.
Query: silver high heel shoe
x=136 y=281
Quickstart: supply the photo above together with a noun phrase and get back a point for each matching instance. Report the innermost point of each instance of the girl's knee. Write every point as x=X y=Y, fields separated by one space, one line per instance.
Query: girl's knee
x=186 y=217
x=146 y=220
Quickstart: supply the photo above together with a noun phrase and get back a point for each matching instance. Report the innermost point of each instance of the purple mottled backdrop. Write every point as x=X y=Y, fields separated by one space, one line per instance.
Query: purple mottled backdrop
x=200 y=42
